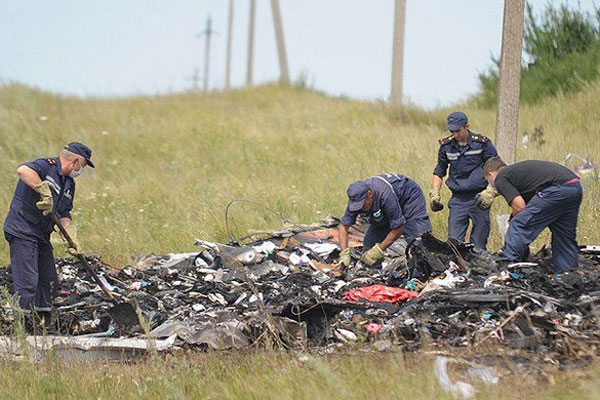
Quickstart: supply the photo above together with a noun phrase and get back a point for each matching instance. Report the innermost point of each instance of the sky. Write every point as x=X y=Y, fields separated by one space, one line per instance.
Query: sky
x=340 y=47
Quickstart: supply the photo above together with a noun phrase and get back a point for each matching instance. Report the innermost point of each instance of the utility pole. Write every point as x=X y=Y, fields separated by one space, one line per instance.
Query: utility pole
x=398 y=52
x=249 y=71
x=284 y=73
x=196 y=79
x=507 y=115
x=207 y=33
x=229 y=35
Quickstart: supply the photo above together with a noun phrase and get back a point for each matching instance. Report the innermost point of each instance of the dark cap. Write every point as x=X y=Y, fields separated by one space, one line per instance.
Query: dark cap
x=81 y=150
x=456 y=120
x=357 y=193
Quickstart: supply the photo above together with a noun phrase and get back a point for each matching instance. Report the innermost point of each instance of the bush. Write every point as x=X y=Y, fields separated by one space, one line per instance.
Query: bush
x=562 y=47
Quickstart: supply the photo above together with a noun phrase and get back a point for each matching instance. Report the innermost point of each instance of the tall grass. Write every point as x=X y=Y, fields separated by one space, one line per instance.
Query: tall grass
x=267 y=376
x=167 y=166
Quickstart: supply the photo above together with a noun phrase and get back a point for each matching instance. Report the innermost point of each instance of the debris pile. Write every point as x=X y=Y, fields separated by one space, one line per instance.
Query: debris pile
x=286 y=290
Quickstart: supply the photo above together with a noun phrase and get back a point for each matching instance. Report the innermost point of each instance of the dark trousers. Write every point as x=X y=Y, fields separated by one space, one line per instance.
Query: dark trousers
x=33 y=271
x=463 y=210
x=414 y=227
x=557 y=208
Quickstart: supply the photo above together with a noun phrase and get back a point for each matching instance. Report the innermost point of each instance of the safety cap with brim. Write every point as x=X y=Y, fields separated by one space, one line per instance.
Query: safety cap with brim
x=81 y=150
x=456 y=120
x=357 y=193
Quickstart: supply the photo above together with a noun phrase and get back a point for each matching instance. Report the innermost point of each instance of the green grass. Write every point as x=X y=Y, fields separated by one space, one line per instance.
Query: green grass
x=266 y=375
x=167 y=167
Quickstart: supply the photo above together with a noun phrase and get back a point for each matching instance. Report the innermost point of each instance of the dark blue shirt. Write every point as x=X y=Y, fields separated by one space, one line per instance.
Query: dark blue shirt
x=466 y=163
x=396 y=199
x=24 y=219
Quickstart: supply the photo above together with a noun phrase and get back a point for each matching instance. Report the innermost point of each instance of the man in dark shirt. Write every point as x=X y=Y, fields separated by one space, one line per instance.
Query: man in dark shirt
x=541 y=194
x=45 y=186
x=464 y=153
x=395 y=205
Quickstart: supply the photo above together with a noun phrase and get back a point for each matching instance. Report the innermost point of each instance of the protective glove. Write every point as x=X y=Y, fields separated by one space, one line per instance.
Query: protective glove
x=485 y=198
x=46 y=203
x=372 y=255
x=344 y=257
x=435 y=200
x=72 y=231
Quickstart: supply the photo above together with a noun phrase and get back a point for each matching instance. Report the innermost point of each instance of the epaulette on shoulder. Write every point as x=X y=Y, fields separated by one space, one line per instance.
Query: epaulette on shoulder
x=445 y=140
x=479 y=138
x=51 y=161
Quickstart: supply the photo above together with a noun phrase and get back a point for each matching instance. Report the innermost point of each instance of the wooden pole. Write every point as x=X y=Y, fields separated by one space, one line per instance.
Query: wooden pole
x=229 y=39
x=398 y=52
x=249 y=71
x=507 y=115
x=284 y=74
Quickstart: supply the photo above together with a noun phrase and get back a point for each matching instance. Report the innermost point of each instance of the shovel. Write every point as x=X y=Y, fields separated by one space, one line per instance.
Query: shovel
x=122 y=313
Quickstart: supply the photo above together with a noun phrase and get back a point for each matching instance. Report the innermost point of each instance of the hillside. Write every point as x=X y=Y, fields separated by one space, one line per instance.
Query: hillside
x=167 y=166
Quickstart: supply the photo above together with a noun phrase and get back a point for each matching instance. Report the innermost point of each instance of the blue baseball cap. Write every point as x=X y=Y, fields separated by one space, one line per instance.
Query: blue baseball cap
x=456 y=120
x=357 y=193
x=81 y=150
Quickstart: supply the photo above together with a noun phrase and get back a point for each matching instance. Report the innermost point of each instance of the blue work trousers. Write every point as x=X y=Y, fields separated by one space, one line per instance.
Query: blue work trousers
x=557 y=208
x=462 y=210
x=413 y=228
x=33 y=271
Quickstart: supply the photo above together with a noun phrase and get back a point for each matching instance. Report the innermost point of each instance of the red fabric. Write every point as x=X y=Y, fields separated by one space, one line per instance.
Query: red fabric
x=379 y=294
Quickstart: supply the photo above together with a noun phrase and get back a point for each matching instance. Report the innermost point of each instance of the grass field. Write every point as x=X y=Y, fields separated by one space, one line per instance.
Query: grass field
x=167 y=167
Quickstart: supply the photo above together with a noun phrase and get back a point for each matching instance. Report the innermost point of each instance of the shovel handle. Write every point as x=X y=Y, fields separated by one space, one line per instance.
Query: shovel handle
x=80 y=257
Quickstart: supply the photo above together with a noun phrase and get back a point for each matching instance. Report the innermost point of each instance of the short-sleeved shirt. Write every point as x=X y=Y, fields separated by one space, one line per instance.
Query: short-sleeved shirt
x=396 y=199
x=526 y=178
x=465 y=162
x=24 y=220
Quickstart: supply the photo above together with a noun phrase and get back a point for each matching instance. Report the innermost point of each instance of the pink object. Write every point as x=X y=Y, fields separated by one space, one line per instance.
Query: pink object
x=373 y=328
x=379 y=294
x=574 y=180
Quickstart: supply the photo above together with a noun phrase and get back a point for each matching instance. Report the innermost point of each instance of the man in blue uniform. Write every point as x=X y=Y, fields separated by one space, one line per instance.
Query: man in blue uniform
x=45 y=186
x=395 y=205
x=541 y=194
x=465 y=152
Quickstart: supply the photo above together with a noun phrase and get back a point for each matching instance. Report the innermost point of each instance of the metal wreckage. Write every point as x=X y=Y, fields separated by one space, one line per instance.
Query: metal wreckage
x=285 y=291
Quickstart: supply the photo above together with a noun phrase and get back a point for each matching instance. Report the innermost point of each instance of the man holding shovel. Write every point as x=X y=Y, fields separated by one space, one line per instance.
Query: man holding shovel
x=46 y=186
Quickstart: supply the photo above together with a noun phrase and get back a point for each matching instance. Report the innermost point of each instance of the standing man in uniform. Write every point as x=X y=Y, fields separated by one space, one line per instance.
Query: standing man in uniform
x=541 y=194
x=45 y=186
x=395 y=205
x=465 y=152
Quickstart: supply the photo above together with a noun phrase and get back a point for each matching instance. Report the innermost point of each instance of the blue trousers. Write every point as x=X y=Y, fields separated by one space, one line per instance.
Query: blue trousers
x=557 y=208
x=414 y=227
x=33 y=271
x=463 y=209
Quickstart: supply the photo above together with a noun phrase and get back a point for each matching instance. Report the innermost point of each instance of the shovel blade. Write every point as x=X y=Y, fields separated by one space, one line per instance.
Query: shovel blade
x=124 y=314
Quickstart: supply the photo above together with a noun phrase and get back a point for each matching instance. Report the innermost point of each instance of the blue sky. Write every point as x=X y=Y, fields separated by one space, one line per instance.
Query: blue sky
x=343 y=47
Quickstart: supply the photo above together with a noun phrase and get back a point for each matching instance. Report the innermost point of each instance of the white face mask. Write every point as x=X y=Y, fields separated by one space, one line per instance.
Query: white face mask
x=76 y=173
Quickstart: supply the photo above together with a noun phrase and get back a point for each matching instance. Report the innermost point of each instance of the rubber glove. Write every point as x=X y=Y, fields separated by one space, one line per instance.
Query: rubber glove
x=435 y=200
x=485 y=198
x=46 y=203
x=372 y=255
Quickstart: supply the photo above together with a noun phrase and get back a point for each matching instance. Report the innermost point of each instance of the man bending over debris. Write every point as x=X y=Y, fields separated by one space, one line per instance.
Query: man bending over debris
x=46 y=186
x=395 y=205
x=542 y=194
